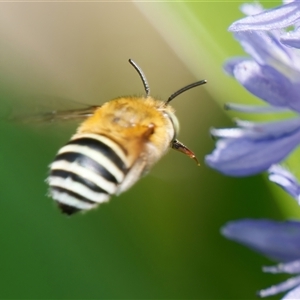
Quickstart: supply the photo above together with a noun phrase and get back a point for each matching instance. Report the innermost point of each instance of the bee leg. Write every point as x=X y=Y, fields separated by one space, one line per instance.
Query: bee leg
x=149 y=130
x=175 y=144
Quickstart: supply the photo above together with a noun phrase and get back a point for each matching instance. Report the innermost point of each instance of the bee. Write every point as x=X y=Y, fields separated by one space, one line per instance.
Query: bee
x=117 y=143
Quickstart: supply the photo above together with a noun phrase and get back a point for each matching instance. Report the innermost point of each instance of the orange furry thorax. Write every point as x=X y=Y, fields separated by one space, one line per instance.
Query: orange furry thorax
x=132 y=122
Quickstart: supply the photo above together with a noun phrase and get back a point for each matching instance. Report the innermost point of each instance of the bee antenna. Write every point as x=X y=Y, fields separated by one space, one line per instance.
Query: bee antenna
x=142 y=75
x=190 y=86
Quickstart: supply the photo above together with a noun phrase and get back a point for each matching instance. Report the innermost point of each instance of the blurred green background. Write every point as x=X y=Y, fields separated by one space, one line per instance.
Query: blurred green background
x=161 y=238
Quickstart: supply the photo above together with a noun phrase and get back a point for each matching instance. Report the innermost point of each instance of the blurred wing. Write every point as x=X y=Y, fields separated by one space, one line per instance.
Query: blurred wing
x=54 y=116
x=46 y=109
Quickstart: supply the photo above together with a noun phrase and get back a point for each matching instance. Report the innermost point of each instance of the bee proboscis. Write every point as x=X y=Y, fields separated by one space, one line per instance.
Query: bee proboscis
x=117 y=143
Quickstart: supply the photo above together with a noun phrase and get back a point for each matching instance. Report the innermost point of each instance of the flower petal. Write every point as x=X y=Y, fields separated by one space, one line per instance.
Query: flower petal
x=292 y=267
x=259 y=130
x=276 y=18
x=277 y=240
x=250 y=9
x=291 y=39
x=231 y=63
x=266 y=49
x=288 y=1
x=268 y=84
x=254 y=149
x=257 y=109
x=232 y=133
x=293 y=294
x=286 y=180
x=275 y=129
x=281 y=287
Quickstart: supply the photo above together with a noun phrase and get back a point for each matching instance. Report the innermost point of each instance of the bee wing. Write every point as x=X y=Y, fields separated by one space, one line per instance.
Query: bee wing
x=54 y=116
x=45 y=109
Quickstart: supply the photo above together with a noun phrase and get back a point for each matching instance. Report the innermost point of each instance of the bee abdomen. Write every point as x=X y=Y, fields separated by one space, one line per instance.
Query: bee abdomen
x=86 y=172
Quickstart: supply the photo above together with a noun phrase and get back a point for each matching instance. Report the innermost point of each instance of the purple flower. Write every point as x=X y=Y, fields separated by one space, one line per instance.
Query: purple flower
x=279 y=241
x=272 y=73
x=285 y=180
x=276 y=18
x=253 y=147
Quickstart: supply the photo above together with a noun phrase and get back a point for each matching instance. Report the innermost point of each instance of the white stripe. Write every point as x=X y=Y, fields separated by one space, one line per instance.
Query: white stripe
x=74 y=167
x=107 y=141
x=78 y=188
x=97 y=156
x=71 y=201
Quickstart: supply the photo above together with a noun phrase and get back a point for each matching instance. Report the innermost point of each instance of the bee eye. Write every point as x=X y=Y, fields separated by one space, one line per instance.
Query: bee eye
x=174 y=122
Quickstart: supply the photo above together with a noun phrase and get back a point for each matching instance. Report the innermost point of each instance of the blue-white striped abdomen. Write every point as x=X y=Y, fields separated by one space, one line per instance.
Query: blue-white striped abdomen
x=86 y=172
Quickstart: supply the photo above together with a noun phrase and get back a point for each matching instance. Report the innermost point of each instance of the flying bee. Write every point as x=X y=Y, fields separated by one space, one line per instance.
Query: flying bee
x=117 y=144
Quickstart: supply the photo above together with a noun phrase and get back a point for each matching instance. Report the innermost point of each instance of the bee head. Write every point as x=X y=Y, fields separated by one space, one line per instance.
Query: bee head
x=168 y=113
x=172 y=117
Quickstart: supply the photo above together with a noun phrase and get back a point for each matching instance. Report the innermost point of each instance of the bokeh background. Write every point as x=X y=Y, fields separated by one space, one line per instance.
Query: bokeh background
x=161 y=238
